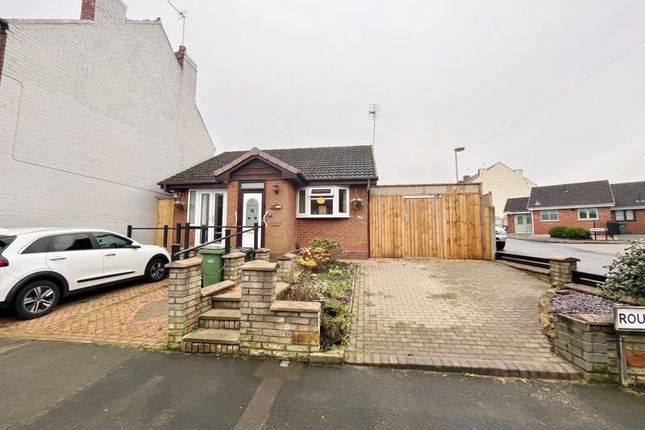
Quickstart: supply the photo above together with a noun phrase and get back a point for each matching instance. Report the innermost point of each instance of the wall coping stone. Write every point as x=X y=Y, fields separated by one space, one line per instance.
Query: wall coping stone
x=294 y=306
x=212 y=289
x=287 y=256
x=182 y=264
x=234 y=255
x=262 y=250
x=260 y=266
x=564 y=259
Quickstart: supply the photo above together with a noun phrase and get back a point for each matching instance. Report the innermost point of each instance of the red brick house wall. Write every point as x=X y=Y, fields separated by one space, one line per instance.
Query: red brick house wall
x=569 y=217
x=510 y=223
x=638 y=225
x=351 y=233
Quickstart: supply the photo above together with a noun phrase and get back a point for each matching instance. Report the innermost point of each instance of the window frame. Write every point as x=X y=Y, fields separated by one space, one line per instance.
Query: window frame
x=333 y=193
x=624 y=213
x=550 y=211
x=97 y=244
x=587 y=217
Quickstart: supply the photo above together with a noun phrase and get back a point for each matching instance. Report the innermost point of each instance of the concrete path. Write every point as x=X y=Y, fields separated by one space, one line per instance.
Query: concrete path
x=57 y=385
x=133 y=314
x=451 y=315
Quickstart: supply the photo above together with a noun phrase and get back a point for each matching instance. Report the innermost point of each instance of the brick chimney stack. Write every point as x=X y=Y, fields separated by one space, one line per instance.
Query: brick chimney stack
x=180 y=55
x=88 y=8
x=4 y=28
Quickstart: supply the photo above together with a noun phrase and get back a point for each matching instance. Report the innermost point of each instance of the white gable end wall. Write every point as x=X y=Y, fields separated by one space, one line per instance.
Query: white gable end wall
x=93 y=114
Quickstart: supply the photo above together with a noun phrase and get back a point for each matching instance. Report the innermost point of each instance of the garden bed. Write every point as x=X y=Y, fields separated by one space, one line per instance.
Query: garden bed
x=332 y=287
x=569 y=302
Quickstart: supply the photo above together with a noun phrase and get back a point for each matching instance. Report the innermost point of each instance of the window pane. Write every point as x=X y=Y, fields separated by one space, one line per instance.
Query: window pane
x=192 y=198
x=520 y=220
x=206 y=210
x=252 y=185
x=529 y=219
x=554 y=215
x=322 y=206
x=582 y=214
x=321 y=191
x=619 y=215
x=71 y=242
x=107 y=240
x=593 y=213
x=342 y=200
x=629 y=215
x=219 y=214
x=41 y=245
x=302 y=201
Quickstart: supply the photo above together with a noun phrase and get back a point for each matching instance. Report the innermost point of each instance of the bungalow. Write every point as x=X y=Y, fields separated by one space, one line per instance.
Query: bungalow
x=295 y=195
x=583 y=204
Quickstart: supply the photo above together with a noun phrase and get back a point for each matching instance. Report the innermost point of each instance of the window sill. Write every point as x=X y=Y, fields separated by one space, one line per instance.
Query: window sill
x=548 y=220
x=323 y=216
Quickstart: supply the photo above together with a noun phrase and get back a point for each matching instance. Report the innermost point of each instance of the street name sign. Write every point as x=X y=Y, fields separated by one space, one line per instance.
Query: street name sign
x=629 y=318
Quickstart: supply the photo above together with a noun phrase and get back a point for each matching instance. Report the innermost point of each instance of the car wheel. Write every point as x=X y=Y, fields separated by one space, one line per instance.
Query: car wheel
x=156 y=269
x=500 y=245
x=36 y=299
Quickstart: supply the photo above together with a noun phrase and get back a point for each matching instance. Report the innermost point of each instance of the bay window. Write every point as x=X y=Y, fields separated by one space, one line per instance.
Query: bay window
x=323 y=201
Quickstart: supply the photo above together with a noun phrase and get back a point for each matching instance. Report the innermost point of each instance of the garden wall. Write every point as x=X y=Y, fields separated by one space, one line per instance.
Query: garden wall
x=591 y=344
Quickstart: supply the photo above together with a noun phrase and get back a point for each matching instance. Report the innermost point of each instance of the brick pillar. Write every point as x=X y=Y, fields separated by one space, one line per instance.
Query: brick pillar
x=233 y=262
x=262 y=254
x=560 y=269
x=88 y=9
x=285 y=267
x=184 y=298
x=258 y=284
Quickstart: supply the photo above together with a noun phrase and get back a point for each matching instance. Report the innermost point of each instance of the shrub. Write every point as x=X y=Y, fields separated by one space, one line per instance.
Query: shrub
x=314 y=259
x=301 y=293
x=626 y=275
x=557 y=231
x=577 y=233
x=333 y=248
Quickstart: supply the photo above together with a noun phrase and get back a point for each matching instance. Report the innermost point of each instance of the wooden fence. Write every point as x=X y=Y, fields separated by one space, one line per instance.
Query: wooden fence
x=444 y=221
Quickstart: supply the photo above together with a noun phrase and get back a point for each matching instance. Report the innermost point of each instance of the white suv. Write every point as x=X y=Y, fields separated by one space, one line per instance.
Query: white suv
x=40 y=265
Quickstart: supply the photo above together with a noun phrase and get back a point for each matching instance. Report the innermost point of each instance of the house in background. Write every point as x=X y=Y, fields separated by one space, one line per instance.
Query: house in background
x=93 y=112
x=504 y=183
x=295 y=195
x=582 y=204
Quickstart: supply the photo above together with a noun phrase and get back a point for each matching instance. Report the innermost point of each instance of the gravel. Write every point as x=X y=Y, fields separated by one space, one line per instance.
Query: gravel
x=576 y=302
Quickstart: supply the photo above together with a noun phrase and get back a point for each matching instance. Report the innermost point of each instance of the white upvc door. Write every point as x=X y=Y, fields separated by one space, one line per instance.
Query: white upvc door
x=523 y=224
x=251 y=215
x=209 y=211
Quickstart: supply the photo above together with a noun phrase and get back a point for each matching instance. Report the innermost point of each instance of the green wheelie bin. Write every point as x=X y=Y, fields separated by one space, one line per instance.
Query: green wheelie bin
x=212 y=264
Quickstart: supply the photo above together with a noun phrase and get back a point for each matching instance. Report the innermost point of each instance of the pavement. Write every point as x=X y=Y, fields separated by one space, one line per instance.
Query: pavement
x=451 y=315
x=132 y=313
x=57 y=385
x=593 y=257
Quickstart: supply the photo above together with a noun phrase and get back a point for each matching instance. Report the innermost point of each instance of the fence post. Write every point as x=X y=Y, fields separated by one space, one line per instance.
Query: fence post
x=227 y=241
x=165 y=236
x=187 y=236
x=203 y=235
x=129 y=231
x=175 y=248
x=256 y=232
x=178 y=233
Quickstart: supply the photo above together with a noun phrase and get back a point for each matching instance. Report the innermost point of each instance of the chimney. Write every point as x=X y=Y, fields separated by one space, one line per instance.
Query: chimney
x=88 y=8
x=466 y=177
x=4 y=28
x=180 y=55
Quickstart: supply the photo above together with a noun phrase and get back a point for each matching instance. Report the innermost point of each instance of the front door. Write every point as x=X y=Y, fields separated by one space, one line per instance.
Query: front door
x=523 y=224
x=251 y=215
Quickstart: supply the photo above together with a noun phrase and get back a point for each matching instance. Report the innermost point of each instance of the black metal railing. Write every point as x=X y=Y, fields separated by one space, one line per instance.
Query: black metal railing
x=523 y=259
x=181 y=244
x=589 y=279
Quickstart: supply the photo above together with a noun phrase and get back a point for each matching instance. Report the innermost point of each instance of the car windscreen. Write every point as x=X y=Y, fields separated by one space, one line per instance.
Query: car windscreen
x=5 y=241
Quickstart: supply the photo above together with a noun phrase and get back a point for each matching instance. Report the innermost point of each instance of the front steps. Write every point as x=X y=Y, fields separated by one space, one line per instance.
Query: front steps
x=219 y=327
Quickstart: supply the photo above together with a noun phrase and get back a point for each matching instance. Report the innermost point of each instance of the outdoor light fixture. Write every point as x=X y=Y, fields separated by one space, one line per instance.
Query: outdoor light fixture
x=276 y=189
x=457 y=149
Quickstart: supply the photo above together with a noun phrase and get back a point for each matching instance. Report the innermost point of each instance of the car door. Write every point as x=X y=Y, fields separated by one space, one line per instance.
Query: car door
x=74 y=256
x=120 y=259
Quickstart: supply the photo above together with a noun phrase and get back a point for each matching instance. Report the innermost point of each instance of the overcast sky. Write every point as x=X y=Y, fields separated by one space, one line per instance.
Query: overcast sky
x=555 y=87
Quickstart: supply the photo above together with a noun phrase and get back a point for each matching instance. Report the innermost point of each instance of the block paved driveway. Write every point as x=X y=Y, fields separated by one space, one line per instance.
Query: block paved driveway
x=451 y=315
x=134 y=314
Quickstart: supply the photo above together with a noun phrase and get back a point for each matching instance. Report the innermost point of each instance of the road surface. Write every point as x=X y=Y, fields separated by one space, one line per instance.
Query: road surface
x=593 y=257
x=56 y=385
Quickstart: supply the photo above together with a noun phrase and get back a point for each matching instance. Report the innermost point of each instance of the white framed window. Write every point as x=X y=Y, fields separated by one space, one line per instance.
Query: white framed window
x=626 y=215
x=587 y=213
x=323 y=201
x=549 y=215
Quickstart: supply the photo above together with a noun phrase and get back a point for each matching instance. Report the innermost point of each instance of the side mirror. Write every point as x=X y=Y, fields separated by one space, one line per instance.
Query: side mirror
x=134 y=245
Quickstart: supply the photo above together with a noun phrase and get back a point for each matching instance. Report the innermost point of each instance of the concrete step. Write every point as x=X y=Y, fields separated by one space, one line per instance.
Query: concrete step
x=230 y=295
x=213 y=336
x=216 y=288
x=220 y=318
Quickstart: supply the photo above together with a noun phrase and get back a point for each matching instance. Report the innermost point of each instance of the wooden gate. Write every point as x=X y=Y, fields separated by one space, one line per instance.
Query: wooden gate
x=444 y=221
x=164 y=216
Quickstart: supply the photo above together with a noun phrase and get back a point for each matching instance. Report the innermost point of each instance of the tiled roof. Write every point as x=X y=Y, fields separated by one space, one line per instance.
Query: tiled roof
x=516 y=204
x=629 y=194
x=332 y=163
x=577 y=194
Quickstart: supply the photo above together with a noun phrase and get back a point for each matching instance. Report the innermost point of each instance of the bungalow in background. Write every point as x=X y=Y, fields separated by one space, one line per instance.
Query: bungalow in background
x=295 y=195
x=582 y=204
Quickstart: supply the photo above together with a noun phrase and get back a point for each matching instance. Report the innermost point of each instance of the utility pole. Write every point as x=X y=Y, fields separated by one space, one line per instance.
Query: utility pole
x=373 y=115
x=457 y=149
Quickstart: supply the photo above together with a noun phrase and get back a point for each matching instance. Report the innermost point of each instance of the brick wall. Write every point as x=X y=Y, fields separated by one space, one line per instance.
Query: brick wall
x=638 y=225
x=93 y=130
x=351 y=233
x=510 y=222
x=569 y=217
